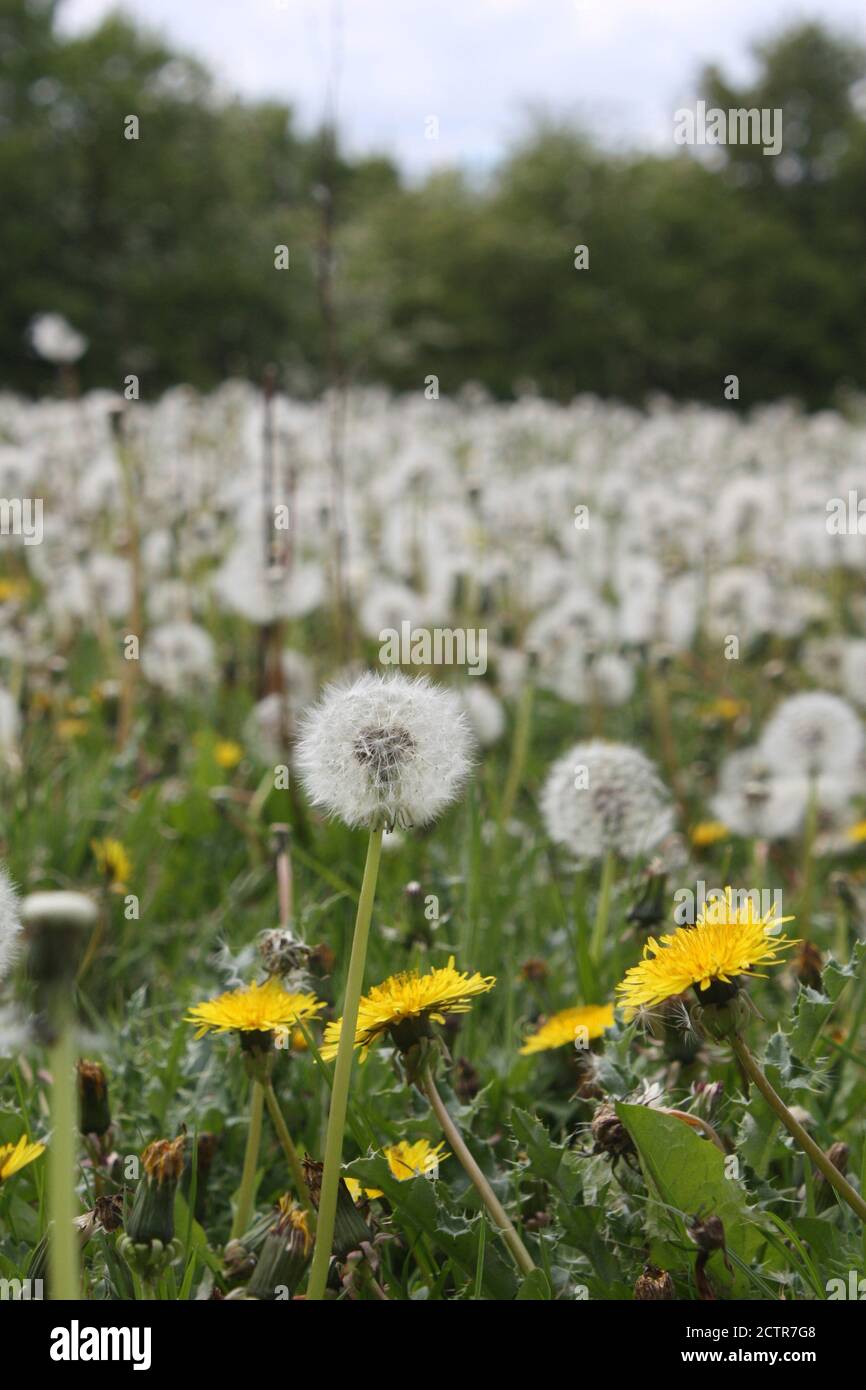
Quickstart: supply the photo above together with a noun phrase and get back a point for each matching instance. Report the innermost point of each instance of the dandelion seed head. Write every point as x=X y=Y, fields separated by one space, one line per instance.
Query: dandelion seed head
x=384 y=748
x=814 y=733
x=606 y=796
x=10 y=924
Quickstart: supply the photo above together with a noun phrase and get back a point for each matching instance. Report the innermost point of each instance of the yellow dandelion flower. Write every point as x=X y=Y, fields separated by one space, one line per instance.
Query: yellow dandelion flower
x=13 y=589
x=69 y=729
x=14 y=1157
x=708 y=832
x=113 y=862
x=358 y=1193
x=227 y=754
x=568 y=1026
x=255 y=1009
x=726 y=708
x=407 y=997
x=420 y=1159
x=728 y=940
x=856 y=833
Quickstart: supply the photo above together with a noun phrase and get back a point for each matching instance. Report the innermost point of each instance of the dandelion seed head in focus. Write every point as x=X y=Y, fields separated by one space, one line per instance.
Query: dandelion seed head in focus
x=385 y=749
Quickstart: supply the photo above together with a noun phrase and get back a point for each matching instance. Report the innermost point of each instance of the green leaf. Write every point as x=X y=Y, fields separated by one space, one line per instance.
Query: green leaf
x=835 y=977
x=580 y=1225
x=545 y=1157
x=687 y=1173
x=810 y=1014
x=427 y=1206
x=535 y=1286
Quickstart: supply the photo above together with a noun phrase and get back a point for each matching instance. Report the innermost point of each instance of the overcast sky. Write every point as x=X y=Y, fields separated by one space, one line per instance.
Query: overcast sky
x=478 y=66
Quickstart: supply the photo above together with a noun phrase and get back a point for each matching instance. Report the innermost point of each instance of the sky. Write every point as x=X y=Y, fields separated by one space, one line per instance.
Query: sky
x=479 y=67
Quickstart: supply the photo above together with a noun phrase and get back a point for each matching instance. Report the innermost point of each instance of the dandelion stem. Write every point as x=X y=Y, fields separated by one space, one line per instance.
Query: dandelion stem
x=61 y=1165
x=289 y=1150
x=602 y=910
x=244 y=1208
x=807 y=1144
x=342 y=1073
x=519 y=750
x=809 y=834
x=497 y=1212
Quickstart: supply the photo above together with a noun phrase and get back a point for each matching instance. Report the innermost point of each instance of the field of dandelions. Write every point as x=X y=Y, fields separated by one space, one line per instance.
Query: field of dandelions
x=211 y=783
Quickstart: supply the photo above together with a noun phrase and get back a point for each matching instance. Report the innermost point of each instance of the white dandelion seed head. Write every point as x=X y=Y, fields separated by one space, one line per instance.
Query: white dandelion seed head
x=756 y=799
x=10 y=923
x=814 y=733
x=606 y=796
x=10 y=722
x=486 y=715
x=385 y=748
x=178 y=657
x=56 y=340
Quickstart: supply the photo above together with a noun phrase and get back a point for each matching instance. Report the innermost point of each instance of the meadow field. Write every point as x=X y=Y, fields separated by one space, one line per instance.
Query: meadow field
x=516 y=691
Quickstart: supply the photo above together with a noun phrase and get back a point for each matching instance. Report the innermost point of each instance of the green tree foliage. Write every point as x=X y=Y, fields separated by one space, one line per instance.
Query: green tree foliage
x=161 y=249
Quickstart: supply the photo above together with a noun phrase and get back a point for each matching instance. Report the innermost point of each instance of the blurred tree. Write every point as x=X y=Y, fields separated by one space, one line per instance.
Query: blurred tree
x=161 y=249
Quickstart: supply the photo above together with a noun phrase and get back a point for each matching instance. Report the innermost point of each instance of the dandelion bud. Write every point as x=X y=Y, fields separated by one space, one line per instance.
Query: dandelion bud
x=55 y=924
x=466 y=1081
x=534 y=971
x=808 y=964
x=283 y=1256
x=152 y=1217
x=708 y=1234
x=351 y=1231
x=282 y=953
x=653 y=1286
x=95 y=1111
x=322 y=960
x=651 y=907
x=609 y=1132
x=238 y=1260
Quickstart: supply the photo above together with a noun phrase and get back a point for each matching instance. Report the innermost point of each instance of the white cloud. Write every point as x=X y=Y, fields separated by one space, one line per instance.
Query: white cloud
x=621 y=66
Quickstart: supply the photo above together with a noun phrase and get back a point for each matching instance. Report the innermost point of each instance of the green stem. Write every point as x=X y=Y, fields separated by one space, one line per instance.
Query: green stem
x=244 y=1208
x=65 y=1274
x=289 y=1150
x=498 y=1214
x=804 y=917
x=602 y=909
x=342 y=1074
x=807 y=1144
x=519 y=750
